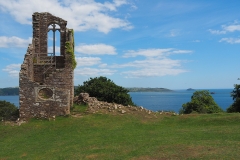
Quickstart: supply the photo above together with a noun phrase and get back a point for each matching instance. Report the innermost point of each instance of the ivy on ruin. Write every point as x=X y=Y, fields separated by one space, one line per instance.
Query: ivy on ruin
x=70 y=51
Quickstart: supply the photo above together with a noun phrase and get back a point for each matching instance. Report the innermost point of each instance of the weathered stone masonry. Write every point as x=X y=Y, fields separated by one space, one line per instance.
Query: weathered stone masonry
x=46 y=85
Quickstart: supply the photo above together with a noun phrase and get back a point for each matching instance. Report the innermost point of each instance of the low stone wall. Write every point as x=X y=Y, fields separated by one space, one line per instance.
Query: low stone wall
x=95 y=106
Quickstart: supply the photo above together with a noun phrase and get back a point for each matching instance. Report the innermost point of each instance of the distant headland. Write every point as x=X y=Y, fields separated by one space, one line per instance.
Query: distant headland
x=10 y=91
x=139 y=89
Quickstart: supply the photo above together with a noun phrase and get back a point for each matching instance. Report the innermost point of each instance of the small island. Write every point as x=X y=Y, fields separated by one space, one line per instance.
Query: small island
x=139 y=89
x=190 y=89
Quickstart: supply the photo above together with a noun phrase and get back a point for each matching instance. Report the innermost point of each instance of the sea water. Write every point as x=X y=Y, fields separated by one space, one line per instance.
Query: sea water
x=11 y=99
x=173 y=101
x=166 y=101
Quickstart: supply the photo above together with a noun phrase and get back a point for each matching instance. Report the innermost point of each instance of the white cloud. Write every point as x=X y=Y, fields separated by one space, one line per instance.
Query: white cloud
x=226 y=29
x=103 y=65
x=232 y=28
x=88 y=61
x=12 y=69
x=147 y=52
x=81 y=15
x=217 y=31
x=154 y=52
x=152 y=72
x=93 y=72
x=180 y=51
x=6 y=42
x=230 y=40
x=96 y=49
x=156 y=63
x=153 y=67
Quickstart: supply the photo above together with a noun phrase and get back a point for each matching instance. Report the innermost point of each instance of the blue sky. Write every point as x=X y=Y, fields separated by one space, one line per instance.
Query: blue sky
x=175 y=44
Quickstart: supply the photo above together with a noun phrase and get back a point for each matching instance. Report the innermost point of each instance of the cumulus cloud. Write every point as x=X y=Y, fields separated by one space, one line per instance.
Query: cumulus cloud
x=93 y=72
x=225 y=29
x=148 y=72
x=152 y=67
x=230 y=40
x=156 y=63
x=95 y=49
x=154 y=52
x=81 y=15
x=232 y=28
x=12 y=69
x=6 y=42
x=88 y=61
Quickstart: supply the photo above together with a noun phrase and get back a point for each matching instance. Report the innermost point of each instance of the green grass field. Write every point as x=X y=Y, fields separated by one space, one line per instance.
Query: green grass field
x=105 y=136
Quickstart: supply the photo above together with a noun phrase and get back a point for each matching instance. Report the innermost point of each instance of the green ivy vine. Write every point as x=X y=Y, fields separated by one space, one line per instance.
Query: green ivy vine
x=70 y=51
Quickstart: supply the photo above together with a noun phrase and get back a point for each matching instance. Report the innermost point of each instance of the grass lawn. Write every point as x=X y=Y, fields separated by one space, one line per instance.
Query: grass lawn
x=105 y=136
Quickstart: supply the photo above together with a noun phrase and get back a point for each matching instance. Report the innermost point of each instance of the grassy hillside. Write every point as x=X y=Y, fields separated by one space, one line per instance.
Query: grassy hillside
x=105 y=136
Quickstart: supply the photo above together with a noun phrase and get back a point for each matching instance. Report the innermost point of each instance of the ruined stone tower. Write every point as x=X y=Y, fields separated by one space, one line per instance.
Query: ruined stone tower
x=46 y=85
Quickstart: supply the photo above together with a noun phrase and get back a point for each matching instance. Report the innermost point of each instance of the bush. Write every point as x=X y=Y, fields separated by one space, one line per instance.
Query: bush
x=8 y=111
x=105 y=90
x=201 y=102
x=235 y=107
x=235 y=94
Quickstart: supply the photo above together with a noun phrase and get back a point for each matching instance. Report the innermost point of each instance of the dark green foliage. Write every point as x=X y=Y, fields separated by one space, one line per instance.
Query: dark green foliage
x=235 y=94
x=201 y=102
x=105 y=90
x=8 y=110
x=9 y=91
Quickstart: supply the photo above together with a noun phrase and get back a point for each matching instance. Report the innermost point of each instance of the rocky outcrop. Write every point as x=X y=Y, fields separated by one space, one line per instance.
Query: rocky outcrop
x=95 y=106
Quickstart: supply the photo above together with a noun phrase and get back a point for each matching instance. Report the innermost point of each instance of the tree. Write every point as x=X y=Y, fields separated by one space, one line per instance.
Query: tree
x=201 y=102
x=235 y=94
x=105 y=90
x=8 y=110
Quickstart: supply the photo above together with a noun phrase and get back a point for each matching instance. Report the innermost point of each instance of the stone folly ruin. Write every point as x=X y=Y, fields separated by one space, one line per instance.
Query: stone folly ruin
x=46 y=87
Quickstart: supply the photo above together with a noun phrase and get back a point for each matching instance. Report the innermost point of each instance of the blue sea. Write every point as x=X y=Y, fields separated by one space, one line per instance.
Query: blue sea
x=11 y=99
x=172 y=101
x=167 y=101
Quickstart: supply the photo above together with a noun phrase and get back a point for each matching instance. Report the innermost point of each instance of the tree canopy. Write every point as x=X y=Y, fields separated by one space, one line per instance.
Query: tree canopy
x=235 y=94
x=201 y=102
x=105 y=89
x=8 y=110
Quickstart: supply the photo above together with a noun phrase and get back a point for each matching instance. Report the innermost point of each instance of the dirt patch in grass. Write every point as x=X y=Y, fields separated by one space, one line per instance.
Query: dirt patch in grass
x=94 y=156
x=146 y=158
x=182 y=152
x=23 y=155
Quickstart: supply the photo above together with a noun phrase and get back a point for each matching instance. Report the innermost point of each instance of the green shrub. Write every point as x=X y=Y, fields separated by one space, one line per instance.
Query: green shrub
x=105 y=90
x=235 y=94
x=201 y=102
x=8 y=111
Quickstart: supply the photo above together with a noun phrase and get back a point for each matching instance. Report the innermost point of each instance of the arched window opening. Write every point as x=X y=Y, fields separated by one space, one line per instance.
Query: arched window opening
x=54 y=40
